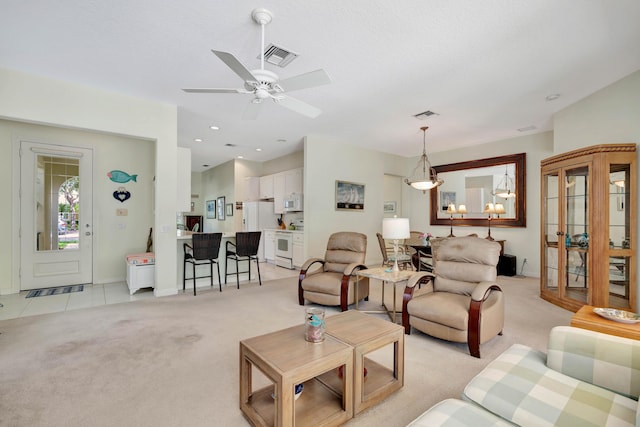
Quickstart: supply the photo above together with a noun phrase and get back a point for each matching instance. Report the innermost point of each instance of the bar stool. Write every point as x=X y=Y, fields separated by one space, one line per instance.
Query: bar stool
x=204 y=249
x=245 y=249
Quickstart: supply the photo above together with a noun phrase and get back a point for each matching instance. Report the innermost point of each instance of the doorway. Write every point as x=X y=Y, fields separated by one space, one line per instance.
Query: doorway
x=56 y=216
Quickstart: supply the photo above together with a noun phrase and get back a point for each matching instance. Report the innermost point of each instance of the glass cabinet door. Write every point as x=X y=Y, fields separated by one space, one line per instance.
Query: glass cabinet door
x=551 y=231
x=619 y=235
x=576 y=234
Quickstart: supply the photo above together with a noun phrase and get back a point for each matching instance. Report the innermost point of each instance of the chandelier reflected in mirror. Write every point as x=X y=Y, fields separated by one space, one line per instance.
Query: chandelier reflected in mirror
x=424 y=177
x=506 y=187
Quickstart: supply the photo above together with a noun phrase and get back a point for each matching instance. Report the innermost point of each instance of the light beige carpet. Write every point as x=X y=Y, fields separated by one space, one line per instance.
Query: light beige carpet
x=173 y=361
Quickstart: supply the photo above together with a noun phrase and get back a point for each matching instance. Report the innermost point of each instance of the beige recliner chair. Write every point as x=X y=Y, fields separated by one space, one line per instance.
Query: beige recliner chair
x=461 y=302
x=333 y=283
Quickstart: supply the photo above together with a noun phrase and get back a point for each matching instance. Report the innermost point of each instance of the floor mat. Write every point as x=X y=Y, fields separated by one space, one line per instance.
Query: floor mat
x=54 y=291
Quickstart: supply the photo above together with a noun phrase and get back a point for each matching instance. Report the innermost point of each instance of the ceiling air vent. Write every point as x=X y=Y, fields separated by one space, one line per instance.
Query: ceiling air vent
x=278 y=56
x=424 y=115
x=230 y=145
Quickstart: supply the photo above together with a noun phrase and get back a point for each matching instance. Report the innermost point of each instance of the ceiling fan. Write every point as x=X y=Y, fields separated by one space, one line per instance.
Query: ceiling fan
x=263 y=84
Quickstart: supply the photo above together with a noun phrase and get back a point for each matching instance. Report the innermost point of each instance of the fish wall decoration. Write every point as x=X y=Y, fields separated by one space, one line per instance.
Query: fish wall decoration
x=121 y=177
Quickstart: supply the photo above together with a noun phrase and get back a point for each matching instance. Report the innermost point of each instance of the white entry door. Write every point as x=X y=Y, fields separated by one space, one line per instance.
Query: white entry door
x=55 y=215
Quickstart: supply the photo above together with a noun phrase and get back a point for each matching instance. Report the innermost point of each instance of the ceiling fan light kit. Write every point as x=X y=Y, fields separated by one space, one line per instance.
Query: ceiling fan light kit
x=424 y=177
x=263 y=84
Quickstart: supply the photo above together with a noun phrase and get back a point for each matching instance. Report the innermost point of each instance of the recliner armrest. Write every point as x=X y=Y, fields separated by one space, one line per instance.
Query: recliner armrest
x=308 y=263
x=482 y=290
x=352 y=268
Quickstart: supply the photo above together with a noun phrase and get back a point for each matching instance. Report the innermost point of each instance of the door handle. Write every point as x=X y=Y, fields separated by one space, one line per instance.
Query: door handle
x=87 y=233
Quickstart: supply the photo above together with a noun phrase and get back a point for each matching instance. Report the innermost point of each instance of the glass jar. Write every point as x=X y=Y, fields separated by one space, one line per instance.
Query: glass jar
x=314 y=325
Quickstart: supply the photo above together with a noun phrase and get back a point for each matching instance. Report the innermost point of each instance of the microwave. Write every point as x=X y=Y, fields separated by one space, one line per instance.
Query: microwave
x=293 y=203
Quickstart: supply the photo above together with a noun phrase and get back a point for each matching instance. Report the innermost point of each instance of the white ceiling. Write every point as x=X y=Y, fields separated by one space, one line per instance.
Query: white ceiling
x=484 y=66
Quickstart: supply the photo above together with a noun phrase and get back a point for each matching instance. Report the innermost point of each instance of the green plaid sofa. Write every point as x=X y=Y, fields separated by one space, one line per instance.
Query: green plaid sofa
x=585 y=379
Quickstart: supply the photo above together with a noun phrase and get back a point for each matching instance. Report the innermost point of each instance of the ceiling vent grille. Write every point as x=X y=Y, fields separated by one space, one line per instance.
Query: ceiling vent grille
x=278 y=56
x=424 y=115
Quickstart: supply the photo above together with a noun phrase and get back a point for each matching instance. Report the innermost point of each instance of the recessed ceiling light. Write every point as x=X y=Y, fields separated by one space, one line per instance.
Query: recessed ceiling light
x=198 y=139
x=281 y=140
x=552 y=97
x=258 y=149
x=214 y=127
x=241 y=157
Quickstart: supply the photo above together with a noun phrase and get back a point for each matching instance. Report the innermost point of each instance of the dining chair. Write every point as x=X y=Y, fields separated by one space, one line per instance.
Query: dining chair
x=244 y=249
x=204 y=249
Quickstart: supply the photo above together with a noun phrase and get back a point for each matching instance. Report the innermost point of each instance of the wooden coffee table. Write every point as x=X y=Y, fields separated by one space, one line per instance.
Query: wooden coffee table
x=367 y=334
x=585 y=318
x=287 y=359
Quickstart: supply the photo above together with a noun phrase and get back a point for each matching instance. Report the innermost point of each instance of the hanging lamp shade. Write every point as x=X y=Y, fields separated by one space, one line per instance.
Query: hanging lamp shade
x=424 y=177
x=506 y=186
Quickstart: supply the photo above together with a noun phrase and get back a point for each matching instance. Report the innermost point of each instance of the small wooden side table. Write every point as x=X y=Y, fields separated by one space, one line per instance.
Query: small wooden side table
x=367 y=334
x=585 y=318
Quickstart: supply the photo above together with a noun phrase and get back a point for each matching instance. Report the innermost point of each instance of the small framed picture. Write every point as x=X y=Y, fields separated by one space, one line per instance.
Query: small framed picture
x=220 y=208
x=349 y=196
x=211 y=209
x=390 y=207
x=229 y=209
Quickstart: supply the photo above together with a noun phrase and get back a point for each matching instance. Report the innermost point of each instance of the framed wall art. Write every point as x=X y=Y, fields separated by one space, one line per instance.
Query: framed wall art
x=447 y=198
x=211 y=209
x=229 y=209
x=220 y=207
x=349 y=196
x=390 y=207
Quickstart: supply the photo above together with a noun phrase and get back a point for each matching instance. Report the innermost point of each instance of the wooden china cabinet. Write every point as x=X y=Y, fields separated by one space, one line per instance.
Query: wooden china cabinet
x=588 y=227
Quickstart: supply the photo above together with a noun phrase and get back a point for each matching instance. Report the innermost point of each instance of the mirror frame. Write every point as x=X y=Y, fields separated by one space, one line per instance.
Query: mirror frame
x=521 y=218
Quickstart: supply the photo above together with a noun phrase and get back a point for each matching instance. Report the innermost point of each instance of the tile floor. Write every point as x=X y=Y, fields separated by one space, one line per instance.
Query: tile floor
x=17 y=305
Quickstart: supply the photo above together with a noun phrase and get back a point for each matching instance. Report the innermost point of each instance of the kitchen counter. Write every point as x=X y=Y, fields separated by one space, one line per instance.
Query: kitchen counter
x=186 y=235
x=283 y=231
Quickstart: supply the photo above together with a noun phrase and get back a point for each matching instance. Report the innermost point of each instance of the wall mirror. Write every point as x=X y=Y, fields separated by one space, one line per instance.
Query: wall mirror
x=474 y=184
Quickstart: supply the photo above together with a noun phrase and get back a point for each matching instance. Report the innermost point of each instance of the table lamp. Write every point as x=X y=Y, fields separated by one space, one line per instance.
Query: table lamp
x=395 y=229
x=451 y=209
x=499 y=209
x=462 y=209
x=490 y=209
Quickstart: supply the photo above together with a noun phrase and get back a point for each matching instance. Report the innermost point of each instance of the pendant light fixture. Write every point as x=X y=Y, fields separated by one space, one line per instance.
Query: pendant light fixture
x=506 y=187
x=424 y=177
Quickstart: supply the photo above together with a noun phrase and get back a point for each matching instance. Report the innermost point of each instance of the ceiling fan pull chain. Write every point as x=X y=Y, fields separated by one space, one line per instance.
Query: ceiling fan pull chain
x=262 y=51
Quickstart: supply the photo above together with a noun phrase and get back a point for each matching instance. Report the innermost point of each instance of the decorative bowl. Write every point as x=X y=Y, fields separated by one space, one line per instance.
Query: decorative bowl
x=621 y=316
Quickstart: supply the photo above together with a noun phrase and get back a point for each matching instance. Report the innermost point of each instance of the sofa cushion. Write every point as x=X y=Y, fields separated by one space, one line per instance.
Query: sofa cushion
x=604 y=360
x=456 y=413
x=519 y=387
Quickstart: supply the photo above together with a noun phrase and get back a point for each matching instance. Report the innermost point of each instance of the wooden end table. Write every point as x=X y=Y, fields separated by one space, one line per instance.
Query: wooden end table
x=367 y=334
x=287 y=359
x=585 y=318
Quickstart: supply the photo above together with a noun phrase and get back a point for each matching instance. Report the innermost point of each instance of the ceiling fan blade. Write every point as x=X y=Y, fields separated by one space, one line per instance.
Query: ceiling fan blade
x=252 y=110
x=237 y=67
x=214 y=90
x=302 y=81
x=298 y=106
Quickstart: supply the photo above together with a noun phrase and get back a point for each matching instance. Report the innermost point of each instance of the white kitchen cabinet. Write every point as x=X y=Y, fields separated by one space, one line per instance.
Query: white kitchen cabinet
x=266 y=187
x=251 y=189
x=270 y=246
x=293 y=181
x=298 y=249
x=278 y=192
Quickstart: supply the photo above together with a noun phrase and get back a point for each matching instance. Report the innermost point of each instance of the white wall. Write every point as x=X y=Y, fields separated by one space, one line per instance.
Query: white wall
x=29 y=98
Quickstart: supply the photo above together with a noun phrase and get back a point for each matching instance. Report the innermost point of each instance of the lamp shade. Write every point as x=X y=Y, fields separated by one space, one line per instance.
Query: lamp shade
x=499 y=207
x=451 y=208
x=395 y=228
x=462 y=209
x=489 y=208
